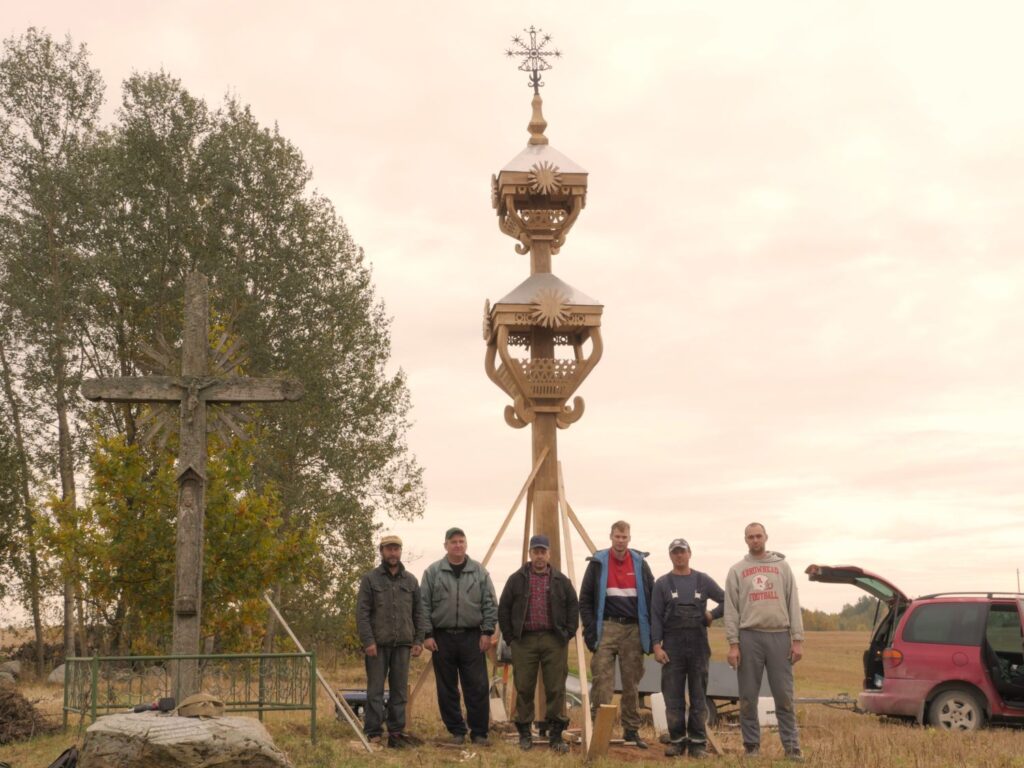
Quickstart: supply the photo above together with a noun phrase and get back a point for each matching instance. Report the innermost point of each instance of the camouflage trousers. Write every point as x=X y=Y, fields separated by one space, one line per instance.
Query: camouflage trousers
x=621 y=641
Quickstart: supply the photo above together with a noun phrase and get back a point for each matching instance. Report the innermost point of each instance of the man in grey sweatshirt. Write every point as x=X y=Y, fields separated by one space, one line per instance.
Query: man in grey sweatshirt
x=765 y=631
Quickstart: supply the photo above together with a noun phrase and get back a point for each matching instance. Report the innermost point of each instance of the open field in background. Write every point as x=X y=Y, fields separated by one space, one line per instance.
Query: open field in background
x=830 y=737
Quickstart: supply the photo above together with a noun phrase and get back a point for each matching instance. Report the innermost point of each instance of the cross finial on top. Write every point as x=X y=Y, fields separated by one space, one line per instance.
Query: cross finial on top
x=534 y=55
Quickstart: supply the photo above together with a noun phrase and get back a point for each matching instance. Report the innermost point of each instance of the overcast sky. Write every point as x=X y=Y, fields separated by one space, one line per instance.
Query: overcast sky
x=800 y=223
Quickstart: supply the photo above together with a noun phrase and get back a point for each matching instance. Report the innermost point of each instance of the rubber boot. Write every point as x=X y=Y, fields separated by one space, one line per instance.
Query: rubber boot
x=525 y=736
x=555 y=740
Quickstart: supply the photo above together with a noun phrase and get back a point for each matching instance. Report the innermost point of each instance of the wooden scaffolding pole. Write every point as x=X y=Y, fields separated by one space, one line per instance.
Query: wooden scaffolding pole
x=581 y=657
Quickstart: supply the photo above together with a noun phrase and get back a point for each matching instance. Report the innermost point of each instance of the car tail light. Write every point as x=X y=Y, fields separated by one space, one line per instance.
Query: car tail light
x=894 y=657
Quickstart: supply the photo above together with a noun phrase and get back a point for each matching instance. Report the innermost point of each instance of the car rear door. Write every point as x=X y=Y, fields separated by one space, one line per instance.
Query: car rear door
x=872 y=583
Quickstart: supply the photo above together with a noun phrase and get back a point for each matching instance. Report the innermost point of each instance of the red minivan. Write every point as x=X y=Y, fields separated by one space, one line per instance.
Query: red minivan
x=954 y=660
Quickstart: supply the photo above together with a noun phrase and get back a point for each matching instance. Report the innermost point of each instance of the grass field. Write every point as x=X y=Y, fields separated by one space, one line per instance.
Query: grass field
x=830 y=737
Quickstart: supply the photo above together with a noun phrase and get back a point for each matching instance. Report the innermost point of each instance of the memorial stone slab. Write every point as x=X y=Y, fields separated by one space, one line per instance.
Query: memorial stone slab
x=154 y=740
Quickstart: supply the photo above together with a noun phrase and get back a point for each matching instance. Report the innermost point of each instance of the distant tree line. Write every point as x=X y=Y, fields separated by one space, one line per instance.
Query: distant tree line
x=99 y=224
x=858 y=616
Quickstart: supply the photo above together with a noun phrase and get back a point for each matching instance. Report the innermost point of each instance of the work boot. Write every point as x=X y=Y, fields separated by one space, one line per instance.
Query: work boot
x=794 y=755
x=525 y=736
x=555 y=740
x=457 y=738
x=698 y=749
x=401 y=739
x=481 y=740
x=752 y=750
x=675 y=748
x=395 y=741
x=634 y=736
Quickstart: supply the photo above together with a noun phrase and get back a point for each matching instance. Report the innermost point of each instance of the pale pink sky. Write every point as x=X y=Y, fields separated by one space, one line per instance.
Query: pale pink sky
x=800 y=223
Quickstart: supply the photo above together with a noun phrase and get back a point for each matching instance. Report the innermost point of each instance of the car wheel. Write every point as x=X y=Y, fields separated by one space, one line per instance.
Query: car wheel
x=712 y=718
x=956 y=710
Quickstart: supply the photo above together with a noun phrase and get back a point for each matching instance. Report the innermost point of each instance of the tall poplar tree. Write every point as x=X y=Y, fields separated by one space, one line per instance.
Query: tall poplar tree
x=49 y=101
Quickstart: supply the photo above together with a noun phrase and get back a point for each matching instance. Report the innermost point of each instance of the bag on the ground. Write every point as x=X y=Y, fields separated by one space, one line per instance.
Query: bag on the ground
x=201 y=705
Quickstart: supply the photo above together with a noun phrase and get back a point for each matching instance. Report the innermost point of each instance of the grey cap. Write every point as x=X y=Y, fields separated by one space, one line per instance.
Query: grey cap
x=679 y=544
x=540 y=540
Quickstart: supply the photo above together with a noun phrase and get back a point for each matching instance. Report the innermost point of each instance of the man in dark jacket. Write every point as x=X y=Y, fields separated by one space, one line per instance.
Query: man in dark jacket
x=538 y=614
x=389 y=619
x=615 y=599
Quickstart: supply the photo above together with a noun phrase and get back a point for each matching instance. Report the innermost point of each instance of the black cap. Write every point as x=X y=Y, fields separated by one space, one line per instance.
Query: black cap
x=454 y=532
x=679 y=544
x=540 y=540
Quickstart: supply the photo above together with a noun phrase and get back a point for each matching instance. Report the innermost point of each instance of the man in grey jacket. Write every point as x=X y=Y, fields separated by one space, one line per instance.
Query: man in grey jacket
x=765 y=631
x=460 y=612
x=389 y=620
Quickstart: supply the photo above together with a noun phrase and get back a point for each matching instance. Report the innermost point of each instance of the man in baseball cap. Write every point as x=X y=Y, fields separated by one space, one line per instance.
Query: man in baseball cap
x=389 y=620
x=538 y=614
x=460 y=612
x=679 y=619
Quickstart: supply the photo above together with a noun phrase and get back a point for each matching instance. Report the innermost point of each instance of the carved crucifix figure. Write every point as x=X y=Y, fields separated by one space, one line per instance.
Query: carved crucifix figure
x=194 y=389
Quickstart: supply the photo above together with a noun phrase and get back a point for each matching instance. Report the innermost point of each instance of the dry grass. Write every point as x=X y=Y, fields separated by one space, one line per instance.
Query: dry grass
x=830 y=737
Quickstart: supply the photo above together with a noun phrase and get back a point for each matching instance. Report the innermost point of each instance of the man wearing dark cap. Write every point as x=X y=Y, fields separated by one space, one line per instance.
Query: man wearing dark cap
x=538 y=614
x=460 y=612
x=389 y=620
x=679 y=631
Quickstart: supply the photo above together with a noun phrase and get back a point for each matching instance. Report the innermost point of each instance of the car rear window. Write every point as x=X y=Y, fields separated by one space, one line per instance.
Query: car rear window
x=949 y=623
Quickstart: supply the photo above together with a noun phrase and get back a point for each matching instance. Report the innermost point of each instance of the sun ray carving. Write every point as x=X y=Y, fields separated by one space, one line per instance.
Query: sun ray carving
x=550 y=308
x=544 y=178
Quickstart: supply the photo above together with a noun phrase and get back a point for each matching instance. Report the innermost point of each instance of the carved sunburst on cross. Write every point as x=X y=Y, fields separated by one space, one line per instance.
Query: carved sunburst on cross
x=550 y=308
x=158 y=421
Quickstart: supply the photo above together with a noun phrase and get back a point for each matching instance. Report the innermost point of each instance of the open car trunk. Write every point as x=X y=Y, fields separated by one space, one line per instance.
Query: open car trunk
x=887 y=593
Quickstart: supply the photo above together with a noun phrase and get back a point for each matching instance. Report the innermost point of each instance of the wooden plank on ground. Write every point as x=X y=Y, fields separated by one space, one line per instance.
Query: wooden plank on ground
x=713 y=744
x=602 y=731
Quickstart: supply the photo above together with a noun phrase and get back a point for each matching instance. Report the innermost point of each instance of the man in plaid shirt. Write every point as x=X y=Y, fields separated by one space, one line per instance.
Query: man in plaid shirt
x=538 y=614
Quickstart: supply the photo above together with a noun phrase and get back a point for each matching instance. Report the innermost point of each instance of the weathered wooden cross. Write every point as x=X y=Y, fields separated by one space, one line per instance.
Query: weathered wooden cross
x=194 y=389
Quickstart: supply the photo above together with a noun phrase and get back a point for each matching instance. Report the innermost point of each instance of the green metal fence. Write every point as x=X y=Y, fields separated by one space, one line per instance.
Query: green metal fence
x=245 y=682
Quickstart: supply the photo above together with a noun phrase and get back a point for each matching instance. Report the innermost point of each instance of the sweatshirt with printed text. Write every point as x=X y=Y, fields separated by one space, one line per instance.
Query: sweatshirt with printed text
x=762 y=595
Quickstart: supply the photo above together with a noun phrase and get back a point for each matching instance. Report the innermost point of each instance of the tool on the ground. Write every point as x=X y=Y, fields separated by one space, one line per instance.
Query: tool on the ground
x=165 y=704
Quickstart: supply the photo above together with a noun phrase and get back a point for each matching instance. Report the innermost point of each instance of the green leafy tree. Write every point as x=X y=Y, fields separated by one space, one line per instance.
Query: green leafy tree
x=49 y=102
x=194 y=188
x=127 y=548
x=175 y=186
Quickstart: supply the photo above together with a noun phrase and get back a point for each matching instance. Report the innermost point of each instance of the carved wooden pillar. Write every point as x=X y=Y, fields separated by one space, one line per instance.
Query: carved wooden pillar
x=538 y=197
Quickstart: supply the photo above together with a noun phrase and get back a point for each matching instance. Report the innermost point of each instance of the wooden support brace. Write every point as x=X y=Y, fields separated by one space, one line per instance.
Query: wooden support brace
x=581 y=658
x=715 y=747
x=515 y=505
x=340 y=703
x=579 y=527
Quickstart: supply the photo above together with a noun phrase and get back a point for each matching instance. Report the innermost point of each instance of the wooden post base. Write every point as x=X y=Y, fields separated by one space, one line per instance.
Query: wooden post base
x=602 y=731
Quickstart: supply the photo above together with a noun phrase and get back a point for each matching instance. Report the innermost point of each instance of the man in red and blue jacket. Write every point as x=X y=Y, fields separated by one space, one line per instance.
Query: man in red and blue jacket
x=615 y=600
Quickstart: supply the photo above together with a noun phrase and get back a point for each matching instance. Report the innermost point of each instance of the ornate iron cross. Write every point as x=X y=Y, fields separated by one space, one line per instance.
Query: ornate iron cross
x=534 y=54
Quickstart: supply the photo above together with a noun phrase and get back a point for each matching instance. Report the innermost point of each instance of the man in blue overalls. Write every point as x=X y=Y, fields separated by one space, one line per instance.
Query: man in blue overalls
x=679 y=633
